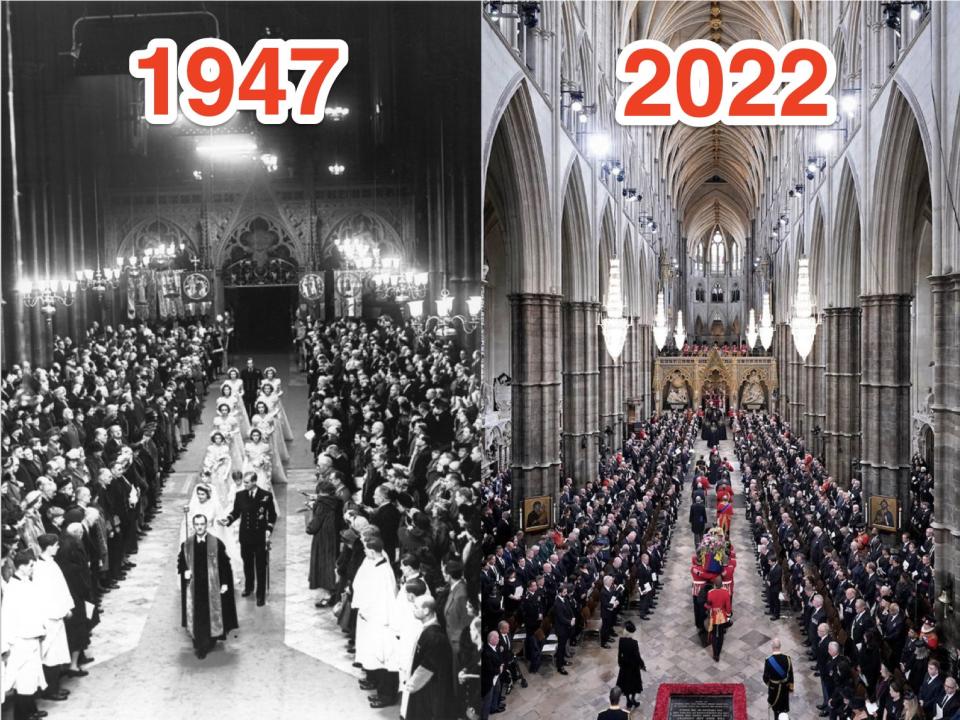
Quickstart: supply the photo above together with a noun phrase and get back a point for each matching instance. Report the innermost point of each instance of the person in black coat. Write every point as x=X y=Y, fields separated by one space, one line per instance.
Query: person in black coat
x=698 y=519
x=774 y=586
x=251 y=376
x=629 y=679
x=563 y=621
x=491 y=666
x=325 y=526
x=257 y=512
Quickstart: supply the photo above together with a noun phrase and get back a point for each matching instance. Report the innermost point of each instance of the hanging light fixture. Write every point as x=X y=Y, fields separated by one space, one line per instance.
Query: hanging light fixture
x=766 y=323
x=614 y=325
x=752 y=329
x=803 y=324
x=660 y=327
x=680 y=334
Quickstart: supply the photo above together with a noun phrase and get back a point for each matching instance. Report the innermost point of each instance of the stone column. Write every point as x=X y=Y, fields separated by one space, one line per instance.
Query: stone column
x=797 y=398
x=814 y=414
x=780 y=340
x=946 y=429
x=885 y=397
x=631 y=364
x=581 y=379
x=841 y=427
x=646 y=357
x=611 y=396
x=535 y=394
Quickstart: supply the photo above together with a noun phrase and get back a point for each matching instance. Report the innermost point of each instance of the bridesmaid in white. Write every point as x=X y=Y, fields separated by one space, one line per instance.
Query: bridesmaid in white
x=230 y=397
x=226 y=423
x=265 y=421
x=236 y=384
x=260 y=460
x=218 y=463
x=270 y=393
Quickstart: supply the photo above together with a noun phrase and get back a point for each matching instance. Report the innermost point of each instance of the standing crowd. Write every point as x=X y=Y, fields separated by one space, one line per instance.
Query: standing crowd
x=603 y=553
x=394 y=428
x=87 y=444
x=864 y=605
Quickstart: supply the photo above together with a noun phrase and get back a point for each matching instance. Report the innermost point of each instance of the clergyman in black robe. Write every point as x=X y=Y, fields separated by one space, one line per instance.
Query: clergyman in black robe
x=428 y=692
x=208 y=607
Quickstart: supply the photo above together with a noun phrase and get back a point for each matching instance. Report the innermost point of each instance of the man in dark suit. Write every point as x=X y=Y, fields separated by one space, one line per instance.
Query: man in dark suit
x=251 y=376
x=255 y=510
x=774 y=586
x=563 y=622
x=931 y=689
x=698 y=520
x=491 y=666
x=949 y=703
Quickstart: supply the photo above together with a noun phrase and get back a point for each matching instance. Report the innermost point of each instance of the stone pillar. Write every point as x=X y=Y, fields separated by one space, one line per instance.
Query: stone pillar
x=535 y=395
x=814 y=413
x=646 y=358
x=797 y=398
x=611 y=397
x=946 y=430
x=841 y=428
x=885 y=397
x=631 y=364
x=581 y=379
x=780 y=352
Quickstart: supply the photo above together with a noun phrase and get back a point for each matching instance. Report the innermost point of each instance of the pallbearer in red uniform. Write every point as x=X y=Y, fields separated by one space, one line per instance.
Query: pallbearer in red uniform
x=724 y=511
x=719 y=610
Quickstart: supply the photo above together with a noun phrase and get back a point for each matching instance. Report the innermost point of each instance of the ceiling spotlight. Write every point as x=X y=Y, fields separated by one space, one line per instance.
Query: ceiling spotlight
x=227 y=147
x=336 y=114
x=198 y=175
x=494 y=7
x=617 y=171
x=336 y=169
x=654 y=227
x=798 y=189
x=849 y=101
x=918 y=10
x=825 y=140
x=891 y=15
x=784 y=219
x=631 y=195
x=530 y=14
x=576 y=101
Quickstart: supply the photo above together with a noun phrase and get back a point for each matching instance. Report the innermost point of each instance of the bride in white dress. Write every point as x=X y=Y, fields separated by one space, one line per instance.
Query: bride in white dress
x=229 y=396
x=266 y=422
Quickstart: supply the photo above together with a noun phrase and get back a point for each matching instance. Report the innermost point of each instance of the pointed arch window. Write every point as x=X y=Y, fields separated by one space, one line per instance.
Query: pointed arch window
x=736 y=259
x=718 y=253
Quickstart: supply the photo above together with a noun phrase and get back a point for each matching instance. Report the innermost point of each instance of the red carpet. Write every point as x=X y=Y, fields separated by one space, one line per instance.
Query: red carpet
x=668 y=690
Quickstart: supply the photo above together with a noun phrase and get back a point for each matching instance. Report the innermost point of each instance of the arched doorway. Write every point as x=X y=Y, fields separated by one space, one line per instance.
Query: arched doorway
x=259 y=270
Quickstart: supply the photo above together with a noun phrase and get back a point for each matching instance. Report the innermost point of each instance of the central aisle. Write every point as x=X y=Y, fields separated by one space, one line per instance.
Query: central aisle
x=669 y=642
x=270 y=668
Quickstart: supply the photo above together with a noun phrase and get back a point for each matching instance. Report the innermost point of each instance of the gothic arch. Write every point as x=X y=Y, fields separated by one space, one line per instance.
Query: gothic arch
x=901 y=174
x=819 y=282
x=151 y=233
x=367 y=223
x=516 y=182
x=845 y=264
x=577 y=253
x=260 y=239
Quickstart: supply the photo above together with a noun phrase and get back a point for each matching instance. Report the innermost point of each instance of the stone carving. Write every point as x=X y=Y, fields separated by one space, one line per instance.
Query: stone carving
x=677 y=393
x=752 y=391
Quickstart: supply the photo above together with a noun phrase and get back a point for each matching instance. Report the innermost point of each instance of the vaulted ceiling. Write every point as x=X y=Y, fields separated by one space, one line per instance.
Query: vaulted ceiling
x=718 y=170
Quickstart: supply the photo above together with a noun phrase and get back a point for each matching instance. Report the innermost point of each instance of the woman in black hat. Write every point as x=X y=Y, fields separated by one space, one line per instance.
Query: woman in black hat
x=629 y=679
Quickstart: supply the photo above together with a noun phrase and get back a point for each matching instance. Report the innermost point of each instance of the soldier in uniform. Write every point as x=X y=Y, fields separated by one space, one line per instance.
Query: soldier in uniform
x=778 y=677
x=719 y=610
x=257 y=513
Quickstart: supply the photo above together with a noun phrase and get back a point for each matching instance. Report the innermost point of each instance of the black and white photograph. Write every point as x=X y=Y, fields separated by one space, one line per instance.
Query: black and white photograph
x=241 y=364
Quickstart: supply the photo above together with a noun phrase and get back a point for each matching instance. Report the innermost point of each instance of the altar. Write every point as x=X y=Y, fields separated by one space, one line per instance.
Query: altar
x=725 y=381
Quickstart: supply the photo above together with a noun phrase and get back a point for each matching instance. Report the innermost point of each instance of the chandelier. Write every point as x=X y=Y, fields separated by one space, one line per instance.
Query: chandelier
x=752 y=329
x=99 y=280
x=660 y=327
x=803 y=324
x=766 y=323
x=47 y=293
x=399 y=286
x=680 y=334
x=614 y=325
x=443 y=321
x=152 y=258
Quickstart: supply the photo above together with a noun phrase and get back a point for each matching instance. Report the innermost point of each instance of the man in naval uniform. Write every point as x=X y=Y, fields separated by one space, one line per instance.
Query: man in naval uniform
x=257 y=513
x=778 y=677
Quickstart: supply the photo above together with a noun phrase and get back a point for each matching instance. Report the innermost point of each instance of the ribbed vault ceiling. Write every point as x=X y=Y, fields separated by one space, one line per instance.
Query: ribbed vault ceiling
x=721 y=165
